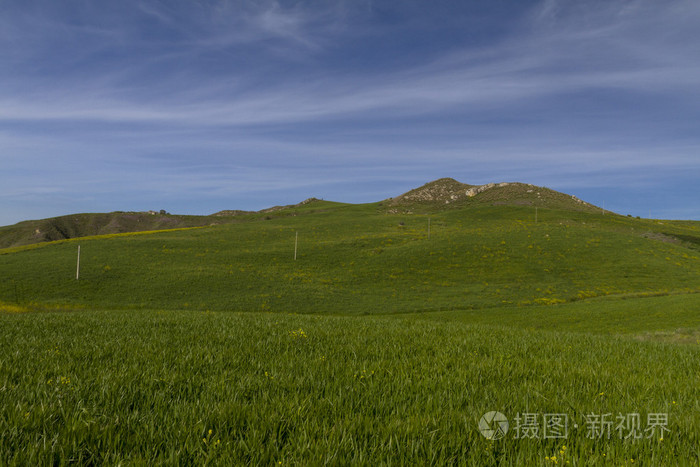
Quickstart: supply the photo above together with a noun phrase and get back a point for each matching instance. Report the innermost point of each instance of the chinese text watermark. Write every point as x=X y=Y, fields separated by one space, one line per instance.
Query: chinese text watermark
x=533 y=425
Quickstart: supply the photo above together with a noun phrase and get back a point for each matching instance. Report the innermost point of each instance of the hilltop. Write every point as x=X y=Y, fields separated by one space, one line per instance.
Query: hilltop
x=443 y=190
x=448 y=193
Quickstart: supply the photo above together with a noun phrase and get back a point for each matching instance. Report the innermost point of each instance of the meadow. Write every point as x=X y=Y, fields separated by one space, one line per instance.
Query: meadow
x=380 y=344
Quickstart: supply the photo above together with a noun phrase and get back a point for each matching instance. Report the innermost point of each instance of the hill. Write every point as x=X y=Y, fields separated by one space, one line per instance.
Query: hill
x=361 y=259
x=445 y=193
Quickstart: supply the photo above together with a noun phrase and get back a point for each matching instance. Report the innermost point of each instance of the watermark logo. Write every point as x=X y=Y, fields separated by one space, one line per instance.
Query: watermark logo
x=493 y=425
x=531 y=425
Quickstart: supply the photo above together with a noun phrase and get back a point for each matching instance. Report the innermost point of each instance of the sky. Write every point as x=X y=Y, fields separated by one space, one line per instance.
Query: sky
x=195 y=106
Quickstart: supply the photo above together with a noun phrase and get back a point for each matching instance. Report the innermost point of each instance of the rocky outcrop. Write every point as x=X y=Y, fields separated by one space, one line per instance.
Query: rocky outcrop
x=444 y=190
x=481 y=188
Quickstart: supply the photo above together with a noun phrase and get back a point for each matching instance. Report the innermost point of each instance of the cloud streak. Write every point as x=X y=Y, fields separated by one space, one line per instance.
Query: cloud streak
x=565 y=58
x=221 y=98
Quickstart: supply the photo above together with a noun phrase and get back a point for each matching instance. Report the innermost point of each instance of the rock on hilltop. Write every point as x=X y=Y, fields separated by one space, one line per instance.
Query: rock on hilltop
x=441 y=190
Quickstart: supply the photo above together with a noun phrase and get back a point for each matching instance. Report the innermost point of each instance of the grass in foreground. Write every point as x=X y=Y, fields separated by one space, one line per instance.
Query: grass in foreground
x=155 y=387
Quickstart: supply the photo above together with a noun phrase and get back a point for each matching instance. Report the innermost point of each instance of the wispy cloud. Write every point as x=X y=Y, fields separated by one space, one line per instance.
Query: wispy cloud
x=238 y=92
x=549 y=57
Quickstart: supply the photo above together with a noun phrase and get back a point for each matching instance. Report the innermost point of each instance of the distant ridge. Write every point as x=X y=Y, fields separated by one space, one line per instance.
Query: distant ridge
x=237 y=212
x=83 y=225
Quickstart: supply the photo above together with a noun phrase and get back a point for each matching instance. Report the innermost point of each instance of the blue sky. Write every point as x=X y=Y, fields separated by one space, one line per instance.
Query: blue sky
x=198 y=106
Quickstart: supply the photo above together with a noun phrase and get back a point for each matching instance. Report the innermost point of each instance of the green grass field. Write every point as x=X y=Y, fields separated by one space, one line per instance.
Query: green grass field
x=380 y=344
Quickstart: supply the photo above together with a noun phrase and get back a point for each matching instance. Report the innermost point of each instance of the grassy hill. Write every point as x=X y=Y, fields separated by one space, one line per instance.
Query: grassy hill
x=445 y=193
x=358 y=259
x=443 y=246
x=399 y=324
